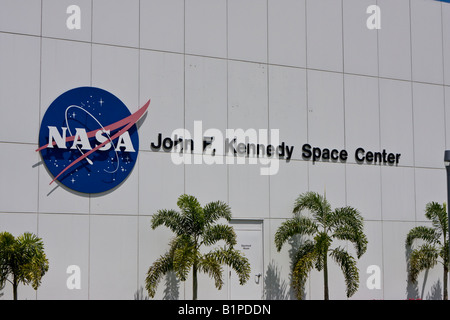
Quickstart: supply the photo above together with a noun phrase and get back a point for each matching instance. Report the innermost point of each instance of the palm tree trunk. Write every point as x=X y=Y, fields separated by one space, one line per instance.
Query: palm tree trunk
x=15 y=285
x=446 y=263
x=194 y=281
x=445 y=282
x=325 y=278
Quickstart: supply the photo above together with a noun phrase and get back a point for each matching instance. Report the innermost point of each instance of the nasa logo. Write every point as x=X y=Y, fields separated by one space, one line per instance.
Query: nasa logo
x=89 y=140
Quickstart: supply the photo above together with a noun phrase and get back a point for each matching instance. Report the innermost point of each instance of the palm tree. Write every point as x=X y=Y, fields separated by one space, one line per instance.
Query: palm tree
x=434 y=246
x=23 y=258
x=323 y=227
x=195 y=227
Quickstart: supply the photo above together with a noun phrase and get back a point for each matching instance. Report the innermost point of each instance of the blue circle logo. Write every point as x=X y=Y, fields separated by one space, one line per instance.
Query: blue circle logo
x=89 y=140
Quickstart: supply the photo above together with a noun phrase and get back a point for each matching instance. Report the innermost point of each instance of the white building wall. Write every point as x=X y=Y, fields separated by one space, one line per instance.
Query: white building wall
x=310 y=68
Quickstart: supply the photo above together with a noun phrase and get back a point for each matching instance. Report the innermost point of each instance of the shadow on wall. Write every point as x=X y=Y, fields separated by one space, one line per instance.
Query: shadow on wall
x=276 y=288
x=171 y=291
x=412 y=289
x=436 y=291
x=172 y=284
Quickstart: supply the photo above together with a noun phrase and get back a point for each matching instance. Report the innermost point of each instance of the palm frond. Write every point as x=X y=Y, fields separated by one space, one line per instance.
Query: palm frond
x=304 y=261
x=349 y=269
x=207 y=264
x=422 y=258
x=192 y=213
x=24 y=257
x=348 y=224
x=322 y=242
x=437 y=213
x=235 y=259
x=34 y=261
x=169 y=218
x=216 y=210
x=346 y=216
x=7 y=255
x=185 y=254
x=424 y=233
x=314 y=202
x=218 y=232
x=156 y=271
x=357 y=237
x=298 y=225
x=189 y=205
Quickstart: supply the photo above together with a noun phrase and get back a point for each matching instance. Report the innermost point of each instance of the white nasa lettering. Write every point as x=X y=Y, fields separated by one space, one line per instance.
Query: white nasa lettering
x=81 y=140
x=125 y=141
x=101 y=138
x=53 y=134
